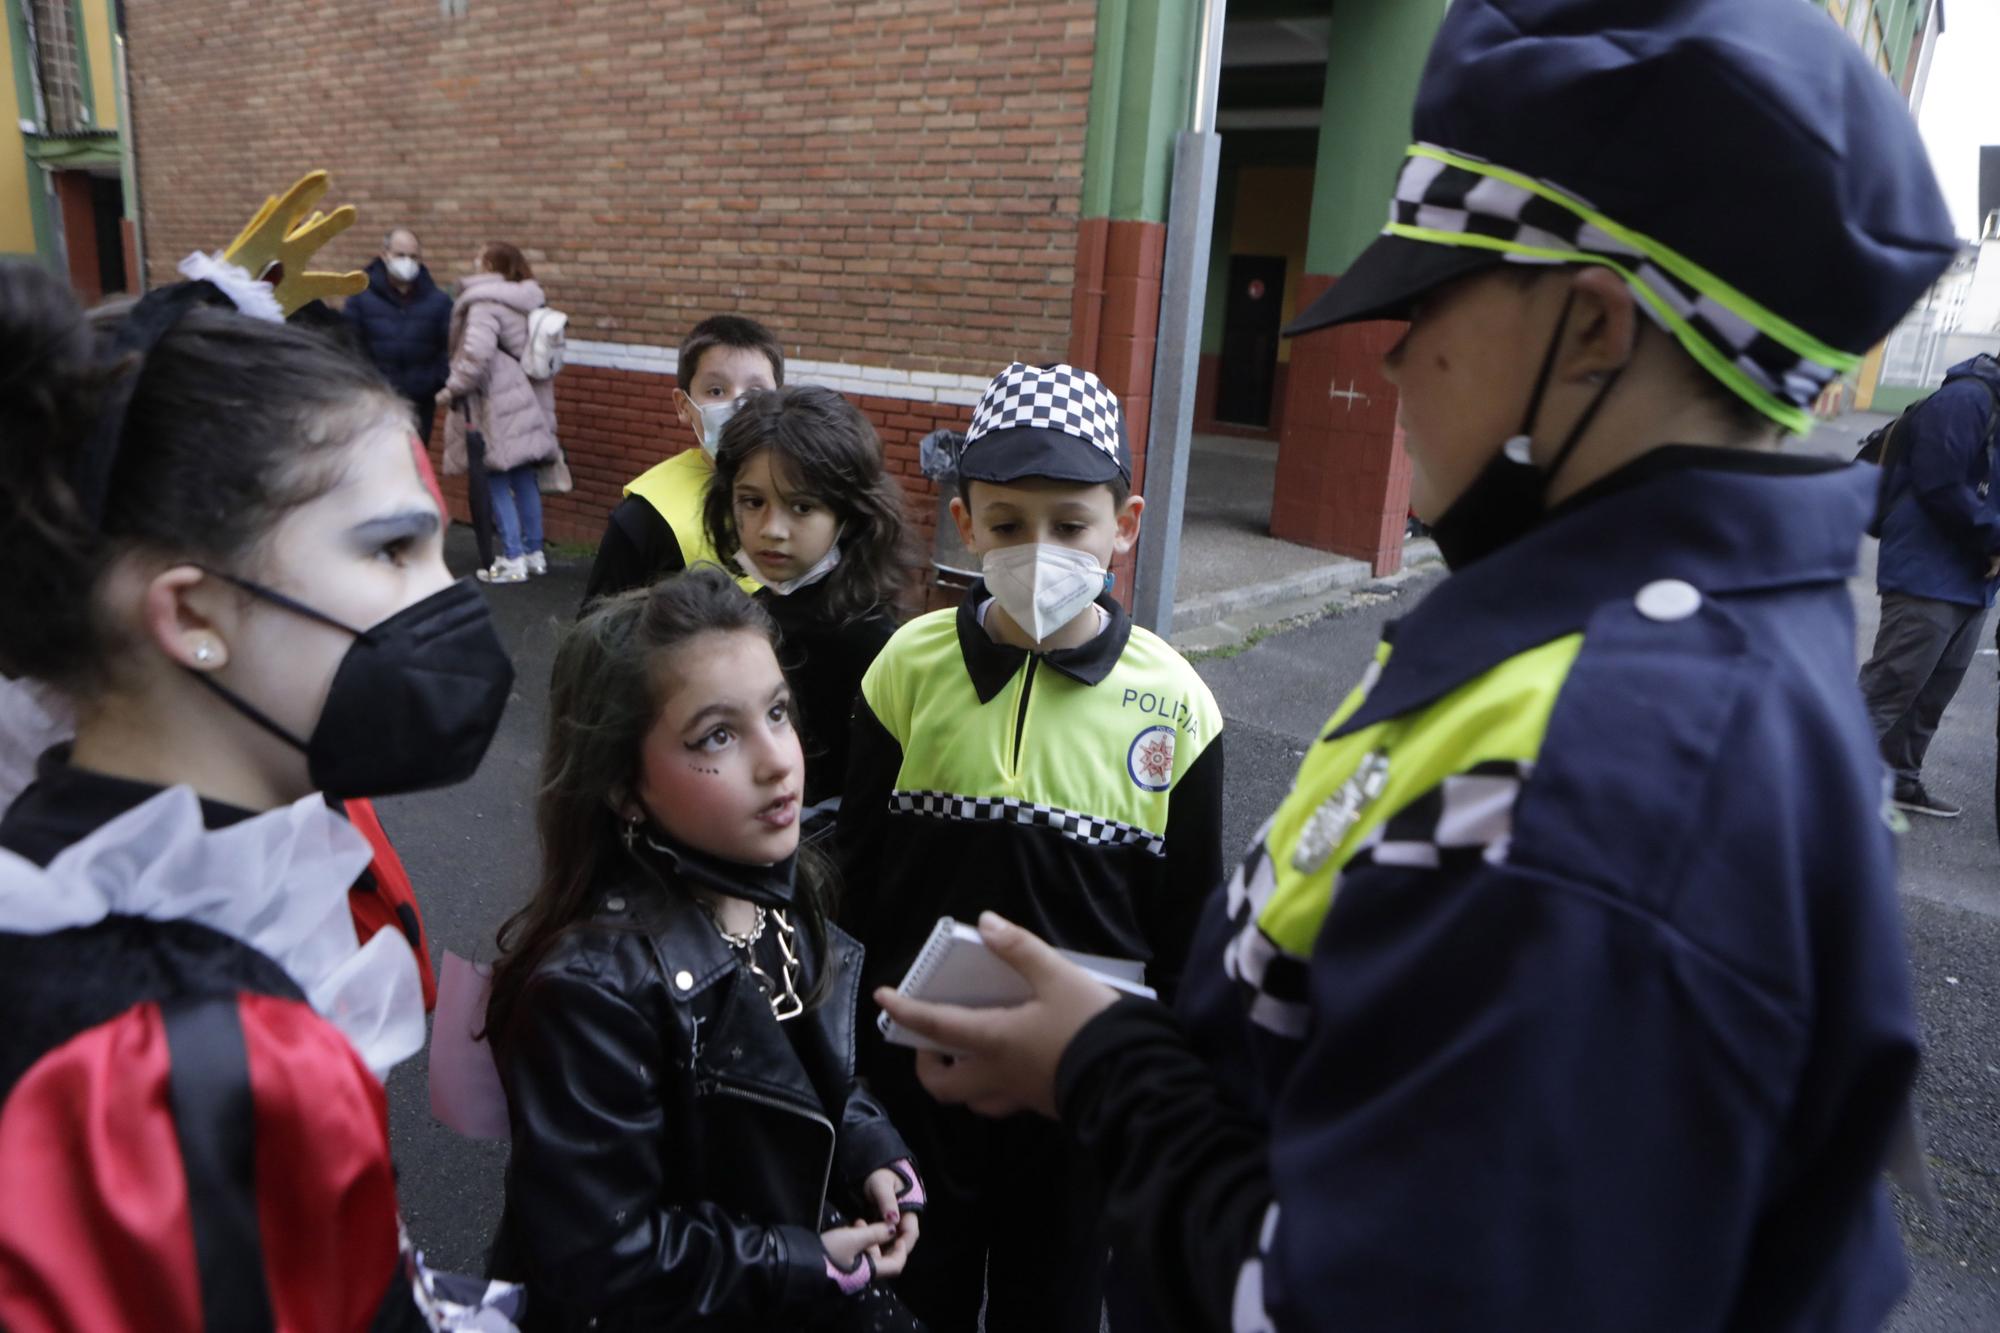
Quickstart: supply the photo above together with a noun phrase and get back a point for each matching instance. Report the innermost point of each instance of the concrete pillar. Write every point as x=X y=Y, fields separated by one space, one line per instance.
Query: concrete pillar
x=1141 y=81
x=1343 y=481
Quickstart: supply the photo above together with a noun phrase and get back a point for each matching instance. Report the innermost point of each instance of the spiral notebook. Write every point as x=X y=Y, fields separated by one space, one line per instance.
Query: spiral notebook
x=956 y=967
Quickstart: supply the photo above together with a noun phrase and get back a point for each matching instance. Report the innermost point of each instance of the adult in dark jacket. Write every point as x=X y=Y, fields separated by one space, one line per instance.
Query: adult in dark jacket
x=1936 y=570
x=403 y=324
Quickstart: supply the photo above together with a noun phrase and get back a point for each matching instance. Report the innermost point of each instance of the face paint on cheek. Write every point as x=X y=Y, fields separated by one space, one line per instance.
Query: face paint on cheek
x=423 y=461
x=699 y=768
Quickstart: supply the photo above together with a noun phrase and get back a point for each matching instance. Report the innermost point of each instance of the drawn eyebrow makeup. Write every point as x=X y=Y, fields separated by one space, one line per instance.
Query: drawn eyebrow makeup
x=411 y=525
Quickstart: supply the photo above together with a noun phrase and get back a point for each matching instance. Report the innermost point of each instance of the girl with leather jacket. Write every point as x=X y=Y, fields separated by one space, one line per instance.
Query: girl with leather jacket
x=673 y=1016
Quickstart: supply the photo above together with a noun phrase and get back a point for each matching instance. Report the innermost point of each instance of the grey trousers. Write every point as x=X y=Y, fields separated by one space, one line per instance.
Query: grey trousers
x=1921 y=652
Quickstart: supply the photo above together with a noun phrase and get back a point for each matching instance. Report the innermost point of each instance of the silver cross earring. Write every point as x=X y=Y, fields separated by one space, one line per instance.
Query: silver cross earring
x=630 y=833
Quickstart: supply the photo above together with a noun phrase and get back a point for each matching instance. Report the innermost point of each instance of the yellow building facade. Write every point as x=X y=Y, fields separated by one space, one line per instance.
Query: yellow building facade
x=66 y=195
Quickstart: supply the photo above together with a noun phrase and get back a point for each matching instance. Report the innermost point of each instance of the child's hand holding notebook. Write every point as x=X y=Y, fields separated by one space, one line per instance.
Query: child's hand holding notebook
x=956 y=967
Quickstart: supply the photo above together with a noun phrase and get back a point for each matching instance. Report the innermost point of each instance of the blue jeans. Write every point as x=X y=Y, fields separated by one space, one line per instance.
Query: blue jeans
x=517 y=510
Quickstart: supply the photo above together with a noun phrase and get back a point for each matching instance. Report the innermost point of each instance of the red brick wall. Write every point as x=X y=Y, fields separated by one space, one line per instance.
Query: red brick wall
x=1343 y=480
x=895 y=184
x=617 y=423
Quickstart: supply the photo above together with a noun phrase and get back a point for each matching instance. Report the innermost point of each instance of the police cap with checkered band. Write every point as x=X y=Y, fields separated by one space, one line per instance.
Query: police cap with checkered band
x=1054 y=421
x=1756 y=181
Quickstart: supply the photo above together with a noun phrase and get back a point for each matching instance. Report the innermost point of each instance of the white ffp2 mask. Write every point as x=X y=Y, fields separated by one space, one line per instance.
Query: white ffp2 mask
x=1041 y=585
x=403 y=269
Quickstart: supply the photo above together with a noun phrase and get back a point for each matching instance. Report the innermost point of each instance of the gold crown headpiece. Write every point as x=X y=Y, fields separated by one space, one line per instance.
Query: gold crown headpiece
x=277 y=244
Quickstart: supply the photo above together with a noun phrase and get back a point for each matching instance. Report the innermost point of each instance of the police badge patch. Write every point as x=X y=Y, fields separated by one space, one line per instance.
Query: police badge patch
x=1150 y=761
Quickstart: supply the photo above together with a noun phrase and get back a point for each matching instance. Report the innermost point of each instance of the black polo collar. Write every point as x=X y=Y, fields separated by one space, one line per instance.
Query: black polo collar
x=991 y=664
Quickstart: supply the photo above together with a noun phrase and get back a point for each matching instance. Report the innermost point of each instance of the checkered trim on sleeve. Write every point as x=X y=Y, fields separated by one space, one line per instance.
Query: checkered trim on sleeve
x=1463 y=821
x=1090 y=830
x=1275 y=980
x=1058 y=397
x=1449 y=198
x=1247 y=1311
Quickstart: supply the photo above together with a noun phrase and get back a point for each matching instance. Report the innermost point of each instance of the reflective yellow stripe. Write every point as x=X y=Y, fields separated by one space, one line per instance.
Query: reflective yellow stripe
x=677 y=490
x=1797 y=420
x=1501 y=715
x=1114 y=750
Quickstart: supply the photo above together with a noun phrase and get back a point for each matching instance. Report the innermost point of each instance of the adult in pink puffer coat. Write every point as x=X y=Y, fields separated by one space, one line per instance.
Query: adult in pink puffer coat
x=516 y=415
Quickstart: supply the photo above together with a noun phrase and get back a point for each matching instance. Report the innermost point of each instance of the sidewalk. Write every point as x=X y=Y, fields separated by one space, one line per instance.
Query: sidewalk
x=1235 y=578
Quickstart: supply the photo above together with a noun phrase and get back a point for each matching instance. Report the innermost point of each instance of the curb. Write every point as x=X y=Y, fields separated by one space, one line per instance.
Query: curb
x=1220 y=620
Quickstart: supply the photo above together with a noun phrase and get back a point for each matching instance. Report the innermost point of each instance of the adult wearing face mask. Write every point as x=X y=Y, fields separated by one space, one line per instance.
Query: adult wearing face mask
x=403 y=324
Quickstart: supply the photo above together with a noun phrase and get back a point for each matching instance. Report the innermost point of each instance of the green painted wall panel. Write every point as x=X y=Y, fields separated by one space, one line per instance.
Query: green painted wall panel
x=1893 y=398
x=1100 y=138
x=1141 y=79
x=1377 y=55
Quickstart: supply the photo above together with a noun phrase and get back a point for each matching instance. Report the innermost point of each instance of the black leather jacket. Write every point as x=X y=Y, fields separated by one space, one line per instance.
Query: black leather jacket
x=675 y=1148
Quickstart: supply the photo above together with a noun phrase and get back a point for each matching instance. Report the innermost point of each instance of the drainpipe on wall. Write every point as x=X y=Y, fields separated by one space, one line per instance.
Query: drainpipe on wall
x=1177 y=355
x=128 y=165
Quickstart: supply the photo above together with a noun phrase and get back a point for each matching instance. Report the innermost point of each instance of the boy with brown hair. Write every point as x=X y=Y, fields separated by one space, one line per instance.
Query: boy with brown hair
x=657 y=530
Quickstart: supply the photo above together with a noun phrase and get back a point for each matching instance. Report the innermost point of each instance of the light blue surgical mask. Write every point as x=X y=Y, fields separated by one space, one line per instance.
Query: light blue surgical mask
x=714 y=416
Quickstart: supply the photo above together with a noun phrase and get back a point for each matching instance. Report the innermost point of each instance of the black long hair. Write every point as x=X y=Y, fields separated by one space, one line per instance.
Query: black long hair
x=605 y=693
x=830 y=451
x=232 y=423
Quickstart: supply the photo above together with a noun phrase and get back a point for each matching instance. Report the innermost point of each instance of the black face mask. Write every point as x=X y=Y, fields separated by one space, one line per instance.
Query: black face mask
x=773 y=885
x=1509 y=497
x=414 y=702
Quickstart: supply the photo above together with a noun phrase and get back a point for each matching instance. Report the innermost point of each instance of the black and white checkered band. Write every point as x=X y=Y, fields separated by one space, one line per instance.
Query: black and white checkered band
x=1439 y=197
x=1058 y=397
x=1465 y=820
x=1274 y=981
x=1090 y=830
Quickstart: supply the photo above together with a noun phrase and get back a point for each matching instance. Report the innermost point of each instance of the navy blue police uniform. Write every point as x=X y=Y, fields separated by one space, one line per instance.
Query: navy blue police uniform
x=1567 y=988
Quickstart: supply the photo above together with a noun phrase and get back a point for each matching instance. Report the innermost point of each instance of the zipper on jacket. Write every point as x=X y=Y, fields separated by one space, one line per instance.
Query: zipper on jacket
x=1021 y=713
x=719 y=1086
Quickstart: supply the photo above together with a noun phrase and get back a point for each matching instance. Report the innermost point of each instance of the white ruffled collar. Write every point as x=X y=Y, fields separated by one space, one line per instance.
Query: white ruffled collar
x=277 y=882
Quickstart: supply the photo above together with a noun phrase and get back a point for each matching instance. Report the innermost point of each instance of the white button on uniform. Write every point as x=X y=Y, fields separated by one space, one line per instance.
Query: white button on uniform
x=684 y=979
x=614 y=904
x=1668 y=599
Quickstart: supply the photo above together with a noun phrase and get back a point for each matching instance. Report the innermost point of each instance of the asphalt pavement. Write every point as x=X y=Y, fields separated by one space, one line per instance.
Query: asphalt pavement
x=471 y=852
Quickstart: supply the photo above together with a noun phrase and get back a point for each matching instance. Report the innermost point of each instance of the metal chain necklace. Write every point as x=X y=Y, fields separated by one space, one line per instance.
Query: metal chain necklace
x=782 y=991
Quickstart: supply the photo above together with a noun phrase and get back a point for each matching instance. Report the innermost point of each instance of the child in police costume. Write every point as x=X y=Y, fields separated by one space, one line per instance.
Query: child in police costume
x=1567 y=988
x=657 y=529
x=1036 y=753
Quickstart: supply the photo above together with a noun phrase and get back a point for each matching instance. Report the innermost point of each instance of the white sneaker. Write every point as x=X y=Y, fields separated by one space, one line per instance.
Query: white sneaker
x=504 y=570
x=538 y=562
